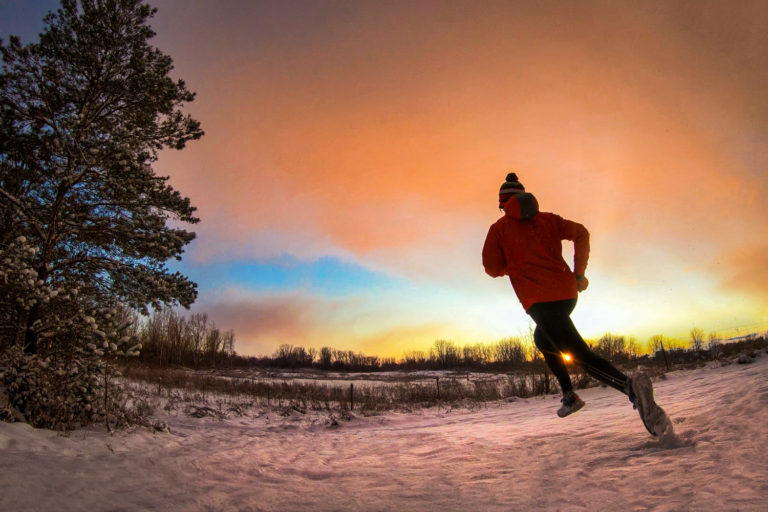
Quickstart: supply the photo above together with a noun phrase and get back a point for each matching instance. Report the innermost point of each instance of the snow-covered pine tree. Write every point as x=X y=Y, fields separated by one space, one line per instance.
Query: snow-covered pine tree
x=83 y=115
x=85 y=223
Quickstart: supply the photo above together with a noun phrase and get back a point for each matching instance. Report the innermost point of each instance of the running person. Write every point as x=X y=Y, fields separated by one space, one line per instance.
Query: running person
x=526 y=245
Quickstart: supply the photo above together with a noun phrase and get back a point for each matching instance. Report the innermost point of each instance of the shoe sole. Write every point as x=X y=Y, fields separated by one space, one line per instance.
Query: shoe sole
x=654 y=418
x=576 y=407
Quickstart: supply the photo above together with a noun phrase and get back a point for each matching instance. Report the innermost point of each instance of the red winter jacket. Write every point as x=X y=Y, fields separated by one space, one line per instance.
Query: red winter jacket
x=525 y=244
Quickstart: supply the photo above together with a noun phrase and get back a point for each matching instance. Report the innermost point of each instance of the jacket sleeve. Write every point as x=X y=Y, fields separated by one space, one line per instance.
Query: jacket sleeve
x=579 y=235
x=493 y=256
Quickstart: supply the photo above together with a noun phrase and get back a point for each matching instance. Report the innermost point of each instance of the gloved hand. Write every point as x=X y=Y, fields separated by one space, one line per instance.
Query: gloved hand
x=581 y=283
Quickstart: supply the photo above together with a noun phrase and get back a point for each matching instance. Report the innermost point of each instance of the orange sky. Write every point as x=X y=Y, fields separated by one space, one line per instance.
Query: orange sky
x=378 y=133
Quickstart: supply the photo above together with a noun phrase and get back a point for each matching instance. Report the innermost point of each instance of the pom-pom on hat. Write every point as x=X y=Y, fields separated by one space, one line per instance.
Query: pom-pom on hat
x=512 y=185
x=509 y=187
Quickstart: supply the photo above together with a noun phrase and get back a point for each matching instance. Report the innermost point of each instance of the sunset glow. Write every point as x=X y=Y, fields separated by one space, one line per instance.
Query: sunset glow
x=354 y=151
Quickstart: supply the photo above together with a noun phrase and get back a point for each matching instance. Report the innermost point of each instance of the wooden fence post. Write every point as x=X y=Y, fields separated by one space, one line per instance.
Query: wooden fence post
x=351 y=396
x=664 y=353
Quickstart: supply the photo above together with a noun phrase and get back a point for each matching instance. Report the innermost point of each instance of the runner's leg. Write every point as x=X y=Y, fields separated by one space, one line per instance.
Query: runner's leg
x=554 y=320
x=553 y=359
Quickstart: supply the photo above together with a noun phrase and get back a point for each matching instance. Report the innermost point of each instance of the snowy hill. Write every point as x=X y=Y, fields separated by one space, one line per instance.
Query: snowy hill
x=507 y=456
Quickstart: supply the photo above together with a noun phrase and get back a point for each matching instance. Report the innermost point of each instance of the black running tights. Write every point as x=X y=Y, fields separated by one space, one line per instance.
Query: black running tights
x=556 y=335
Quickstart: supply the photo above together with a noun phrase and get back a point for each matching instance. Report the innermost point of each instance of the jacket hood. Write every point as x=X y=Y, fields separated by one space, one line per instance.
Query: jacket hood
x=521 y=206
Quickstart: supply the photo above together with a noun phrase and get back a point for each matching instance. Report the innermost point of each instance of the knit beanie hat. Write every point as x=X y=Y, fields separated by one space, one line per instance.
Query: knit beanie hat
x=511 y=186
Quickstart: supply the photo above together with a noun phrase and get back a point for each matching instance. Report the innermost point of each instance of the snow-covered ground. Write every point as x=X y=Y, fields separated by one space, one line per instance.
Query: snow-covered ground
x=507 y=456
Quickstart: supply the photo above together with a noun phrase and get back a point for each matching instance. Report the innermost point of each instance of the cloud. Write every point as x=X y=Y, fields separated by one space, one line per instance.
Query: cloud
x=744 y=269
x=380 y=135
x=399 y=340
x=263 y=321
x=352 y=149
x=381 y=321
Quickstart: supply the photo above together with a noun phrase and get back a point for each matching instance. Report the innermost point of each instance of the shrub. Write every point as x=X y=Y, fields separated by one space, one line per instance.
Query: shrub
x=51 y=392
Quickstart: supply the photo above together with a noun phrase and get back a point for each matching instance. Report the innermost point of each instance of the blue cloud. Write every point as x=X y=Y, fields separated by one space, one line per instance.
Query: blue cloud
x=326 y=276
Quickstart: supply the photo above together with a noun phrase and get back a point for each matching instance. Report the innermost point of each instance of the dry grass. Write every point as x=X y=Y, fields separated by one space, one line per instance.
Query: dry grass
x=187 y=386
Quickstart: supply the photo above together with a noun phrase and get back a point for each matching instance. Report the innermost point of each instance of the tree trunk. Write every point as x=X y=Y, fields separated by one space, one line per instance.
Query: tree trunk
x=30 y=337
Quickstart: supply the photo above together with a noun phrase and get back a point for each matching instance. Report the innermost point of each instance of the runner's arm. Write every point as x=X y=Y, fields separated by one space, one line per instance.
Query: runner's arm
x=579 y=235
x=493 y=256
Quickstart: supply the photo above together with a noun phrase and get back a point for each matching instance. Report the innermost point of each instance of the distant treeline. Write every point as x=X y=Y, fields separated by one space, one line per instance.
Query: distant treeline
x=508 y=354
x=170 y=339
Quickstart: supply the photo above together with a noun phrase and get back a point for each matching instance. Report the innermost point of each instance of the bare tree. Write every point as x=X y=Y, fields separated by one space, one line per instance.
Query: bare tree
x=325 y=358
x=633 y=348
x=610 y=346
x=198 y=327
x=415 y=359
x=510 y=351
x=228 y=345
x=657 y=344
x=213 y=343
x=713 y=343
x=697 y=339
x=444 y=353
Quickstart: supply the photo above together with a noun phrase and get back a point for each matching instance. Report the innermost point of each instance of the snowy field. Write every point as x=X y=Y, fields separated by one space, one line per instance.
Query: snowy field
x=505 y=457
x=343 y=379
